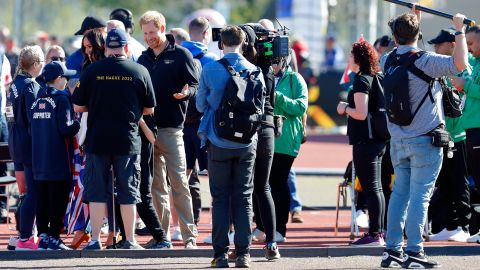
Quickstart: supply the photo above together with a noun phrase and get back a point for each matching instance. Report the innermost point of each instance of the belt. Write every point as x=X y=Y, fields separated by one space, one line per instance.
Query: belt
x=267 y=119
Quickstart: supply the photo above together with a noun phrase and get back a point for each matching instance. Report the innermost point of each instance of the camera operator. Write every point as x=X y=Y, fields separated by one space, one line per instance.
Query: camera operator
x=263 y=206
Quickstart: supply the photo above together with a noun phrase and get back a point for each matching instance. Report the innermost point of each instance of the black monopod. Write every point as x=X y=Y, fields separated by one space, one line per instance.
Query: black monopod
x=431 y=11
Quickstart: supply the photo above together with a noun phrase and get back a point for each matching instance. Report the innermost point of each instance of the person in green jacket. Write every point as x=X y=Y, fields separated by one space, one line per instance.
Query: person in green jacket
x=471 y=119
x=450 y=205
x=291 y=102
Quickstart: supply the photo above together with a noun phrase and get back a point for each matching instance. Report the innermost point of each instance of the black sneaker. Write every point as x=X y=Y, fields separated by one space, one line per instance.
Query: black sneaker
x=220 y=262
x=57 y=244
x=391 y=259
x=118 y=245
x=418 y=260
x=143 y=232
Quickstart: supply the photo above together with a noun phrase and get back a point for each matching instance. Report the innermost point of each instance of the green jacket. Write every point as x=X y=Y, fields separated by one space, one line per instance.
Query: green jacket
x=291 y=103
x=471 y=117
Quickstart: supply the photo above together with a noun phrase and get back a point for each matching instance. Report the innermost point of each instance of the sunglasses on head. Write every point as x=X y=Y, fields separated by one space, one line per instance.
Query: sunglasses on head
x=57 y=58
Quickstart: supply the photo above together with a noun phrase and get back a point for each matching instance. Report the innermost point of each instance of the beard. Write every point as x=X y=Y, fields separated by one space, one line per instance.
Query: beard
x=153 y=43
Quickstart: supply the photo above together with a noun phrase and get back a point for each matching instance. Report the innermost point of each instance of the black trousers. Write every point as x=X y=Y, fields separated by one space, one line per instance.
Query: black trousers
x=281 y=166
x=387 y=172
x=194 y=186
x=473 y=157
x=52 y=203
x=145 y=208
x=263 y=206
x=367 y=159
x=450 y=203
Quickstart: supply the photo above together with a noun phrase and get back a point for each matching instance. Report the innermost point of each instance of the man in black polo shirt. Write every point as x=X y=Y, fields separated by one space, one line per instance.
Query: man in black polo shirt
x=116 y=92
x=175 y=80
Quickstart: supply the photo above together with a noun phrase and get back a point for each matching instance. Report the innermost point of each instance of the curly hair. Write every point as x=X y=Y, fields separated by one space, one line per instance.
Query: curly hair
x=365 y=56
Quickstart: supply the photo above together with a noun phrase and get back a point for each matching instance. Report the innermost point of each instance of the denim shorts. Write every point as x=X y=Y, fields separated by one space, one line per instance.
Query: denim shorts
x=98 y=178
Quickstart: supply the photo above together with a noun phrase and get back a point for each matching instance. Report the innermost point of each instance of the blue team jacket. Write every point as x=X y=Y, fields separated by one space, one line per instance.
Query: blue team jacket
x=52 y=127
x=21 y=96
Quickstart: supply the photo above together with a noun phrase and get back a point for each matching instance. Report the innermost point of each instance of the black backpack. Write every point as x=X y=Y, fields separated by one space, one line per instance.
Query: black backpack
x=396 y=89
x=377 y=113
x=453 y=103
x=238 y=116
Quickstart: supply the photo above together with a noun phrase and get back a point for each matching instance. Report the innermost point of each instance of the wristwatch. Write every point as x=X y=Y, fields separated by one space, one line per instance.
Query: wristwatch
x=459 y=33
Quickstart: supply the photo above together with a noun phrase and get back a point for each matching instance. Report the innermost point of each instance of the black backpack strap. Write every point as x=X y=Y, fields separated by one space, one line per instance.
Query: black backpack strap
x=415 y=70
x=200 y=55
x=224 y=62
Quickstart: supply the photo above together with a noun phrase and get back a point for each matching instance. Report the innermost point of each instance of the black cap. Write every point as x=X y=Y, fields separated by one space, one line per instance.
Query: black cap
x=249 y=34
x=90 y=22
x=385 y=41
x=55 y=69
x=116 y=38
x=124 y=15
x=445 y=35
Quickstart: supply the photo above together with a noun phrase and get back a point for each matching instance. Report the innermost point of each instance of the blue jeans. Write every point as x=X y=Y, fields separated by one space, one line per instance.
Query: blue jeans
x=231 y=184
x=295 y=203
x=417 y=164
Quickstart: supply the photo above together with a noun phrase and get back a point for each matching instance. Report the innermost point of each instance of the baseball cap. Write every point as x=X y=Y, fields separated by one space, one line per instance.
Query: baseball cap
x=385 y=41
x=445 y=35
x=124 y=15
x=90 y=22
x=116 y=38
x=55 y=69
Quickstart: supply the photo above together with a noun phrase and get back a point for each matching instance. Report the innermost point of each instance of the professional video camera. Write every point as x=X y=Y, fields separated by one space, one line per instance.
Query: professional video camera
x=269 y=44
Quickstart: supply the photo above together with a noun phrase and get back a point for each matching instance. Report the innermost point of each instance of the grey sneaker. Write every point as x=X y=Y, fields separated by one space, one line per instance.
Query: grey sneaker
x=191 y=244
x=243 y=261
x=271 y=251
x=131 y=245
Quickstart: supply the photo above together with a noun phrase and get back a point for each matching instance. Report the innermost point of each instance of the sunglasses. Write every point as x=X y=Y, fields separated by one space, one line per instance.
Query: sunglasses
x=57 y=58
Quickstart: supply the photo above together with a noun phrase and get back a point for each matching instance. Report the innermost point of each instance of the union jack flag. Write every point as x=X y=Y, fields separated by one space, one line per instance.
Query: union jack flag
x=77 y=214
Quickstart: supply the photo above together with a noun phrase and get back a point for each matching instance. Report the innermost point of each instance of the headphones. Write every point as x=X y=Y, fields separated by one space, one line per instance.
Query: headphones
x=126 y=17
x=401 y=39
x=246 y=41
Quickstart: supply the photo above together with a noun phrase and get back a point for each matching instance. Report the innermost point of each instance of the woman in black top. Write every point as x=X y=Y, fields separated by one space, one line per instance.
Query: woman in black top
x=367 y=149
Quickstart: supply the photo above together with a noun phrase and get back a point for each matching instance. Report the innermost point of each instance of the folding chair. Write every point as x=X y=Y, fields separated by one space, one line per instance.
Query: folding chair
x=6 y=181
x=347 y=186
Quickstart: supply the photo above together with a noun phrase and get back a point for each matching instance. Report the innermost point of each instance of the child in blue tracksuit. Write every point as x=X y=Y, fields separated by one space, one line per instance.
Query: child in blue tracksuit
x=52 y=128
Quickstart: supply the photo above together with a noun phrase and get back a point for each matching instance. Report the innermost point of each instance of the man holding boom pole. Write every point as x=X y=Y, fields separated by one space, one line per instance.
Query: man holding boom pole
x=416 y=157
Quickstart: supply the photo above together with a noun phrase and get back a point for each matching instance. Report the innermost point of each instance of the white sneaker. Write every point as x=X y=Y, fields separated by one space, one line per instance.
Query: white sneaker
x=459 y=236
x=361 y=218
x=208 y=239
x=474 y=238
x=12 y=242
x=231 y=237
x=191 y=244
x=139 y=224
x=280 y=238
x=444 y=235
x=104 y=229
x=258 y=236
x=177 y=234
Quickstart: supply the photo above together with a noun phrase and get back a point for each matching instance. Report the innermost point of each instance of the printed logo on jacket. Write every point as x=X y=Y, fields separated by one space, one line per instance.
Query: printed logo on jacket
x=42 y=106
